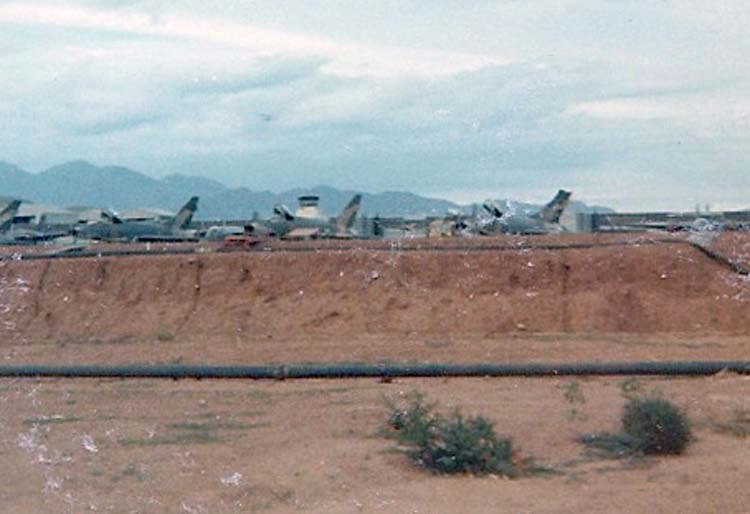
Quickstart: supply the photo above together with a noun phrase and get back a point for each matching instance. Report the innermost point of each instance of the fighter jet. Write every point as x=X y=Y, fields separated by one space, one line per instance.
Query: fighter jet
x=673 y=223
x=11 y=235
x=7 y=215
x=220 y=232
x=493 y=220
x=117 y=229
x=545 y=221
x=285 y=224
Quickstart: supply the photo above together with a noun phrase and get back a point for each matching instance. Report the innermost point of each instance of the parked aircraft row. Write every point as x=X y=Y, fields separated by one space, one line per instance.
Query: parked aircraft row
x=494 y=221
x=306 y=222
x=115 y=228
x=285 y=224
x=110 y=227
x=10 y=234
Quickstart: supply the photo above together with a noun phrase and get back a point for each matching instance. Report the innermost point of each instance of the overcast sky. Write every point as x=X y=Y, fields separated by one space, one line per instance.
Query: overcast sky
x=636 y=104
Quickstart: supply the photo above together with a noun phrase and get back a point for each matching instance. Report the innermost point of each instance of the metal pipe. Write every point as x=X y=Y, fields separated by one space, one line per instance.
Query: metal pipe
x=307 y=371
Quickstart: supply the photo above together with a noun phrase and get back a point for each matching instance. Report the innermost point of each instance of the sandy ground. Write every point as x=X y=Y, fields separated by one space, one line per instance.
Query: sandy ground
x=313 y=446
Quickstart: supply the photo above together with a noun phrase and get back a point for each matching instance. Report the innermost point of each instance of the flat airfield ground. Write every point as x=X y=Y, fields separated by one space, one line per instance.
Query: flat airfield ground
x=313 y=446
x=381 y=348
x=93 y=445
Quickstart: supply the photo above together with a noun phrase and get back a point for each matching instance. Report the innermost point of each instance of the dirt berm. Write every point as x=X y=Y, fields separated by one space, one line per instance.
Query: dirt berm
x=669 y=288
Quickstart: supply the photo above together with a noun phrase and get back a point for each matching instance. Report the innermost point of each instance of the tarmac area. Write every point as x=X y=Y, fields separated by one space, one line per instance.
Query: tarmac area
x=211 y=446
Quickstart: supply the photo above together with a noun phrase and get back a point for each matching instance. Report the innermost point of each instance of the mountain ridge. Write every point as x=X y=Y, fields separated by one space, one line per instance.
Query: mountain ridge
x=80 y=182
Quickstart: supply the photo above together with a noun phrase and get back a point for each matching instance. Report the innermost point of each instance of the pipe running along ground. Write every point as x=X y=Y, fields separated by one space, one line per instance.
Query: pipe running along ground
x=384 y=371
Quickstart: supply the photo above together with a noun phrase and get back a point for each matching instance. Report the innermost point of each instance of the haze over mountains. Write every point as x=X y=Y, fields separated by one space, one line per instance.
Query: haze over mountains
x=120 y=188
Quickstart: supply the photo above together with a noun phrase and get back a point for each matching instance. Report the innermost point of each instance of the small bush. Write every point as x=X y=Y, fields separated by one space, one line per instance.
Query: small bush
x=453 y=444
x=465 y=445
x=650 y=425
x=657 y=425
x=412 y=423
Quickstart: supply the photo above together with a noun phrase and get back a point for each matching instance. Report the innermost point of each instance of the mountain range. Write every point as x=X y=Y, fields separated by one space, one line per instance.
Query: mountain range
x=78 y=183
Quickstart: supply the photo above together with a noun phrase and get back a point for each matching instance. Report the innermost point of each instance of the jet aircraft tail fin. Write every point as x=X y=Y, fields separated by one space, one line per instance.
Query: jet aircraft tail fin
x=553 y=210
x=492 y=208
x=185 y=215
x=111 y=216
x=7 y=214
x=283 y=211
x=345 y=219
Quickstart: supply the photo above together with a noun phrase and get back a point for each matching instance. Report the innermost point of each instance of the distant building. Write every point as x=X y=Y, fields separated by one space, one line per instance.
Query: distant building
x=308 y=207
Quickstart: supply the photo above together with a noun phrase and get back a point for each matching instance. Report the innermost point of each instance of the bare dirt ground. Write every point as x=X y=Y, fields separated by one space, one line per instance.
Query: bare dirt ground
x=312 y=446
x=735 y=246
x=244 y=297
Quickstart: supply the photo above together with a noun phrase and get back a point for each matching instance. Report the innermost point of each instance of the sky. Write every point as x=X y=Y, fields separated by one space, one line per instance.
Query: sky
x=634 y=104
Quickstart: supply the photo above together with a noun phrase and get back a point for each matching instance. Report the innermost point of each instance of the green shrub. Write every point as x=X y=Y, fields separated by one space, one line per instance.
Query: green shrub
x=465 y=445
x=453 y=444
x=412 y=423
x=656 y=425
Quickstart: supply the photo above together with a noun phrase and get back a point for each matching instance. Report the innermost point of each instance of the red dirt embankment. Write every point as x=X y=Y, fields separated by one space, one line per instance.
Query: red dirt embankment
x=734 y=246
x=667 y=288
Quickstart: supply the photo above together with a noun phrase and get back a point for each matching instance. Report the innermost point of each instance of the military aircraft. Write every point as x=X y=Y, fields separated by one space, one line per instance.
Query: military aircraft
x=676 y=223
x=12 y=235
x=220 y=232
x=494 y=221
x=285 y=224
x=7 y=214
x=118 y=229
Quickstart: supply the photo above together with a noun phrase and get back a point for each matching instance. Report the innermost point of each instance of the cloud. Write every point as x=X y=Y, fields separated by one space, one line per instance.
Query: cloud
x=630 y=109
x=110 y=125
x=703 y=114
x=237 y=76
x=356 y=96
x=346 y=59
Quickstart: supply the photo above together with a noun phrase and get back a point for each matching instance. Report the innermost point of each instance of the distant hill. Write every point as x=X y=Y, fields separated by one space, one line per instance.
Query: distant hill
x=119 y=188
